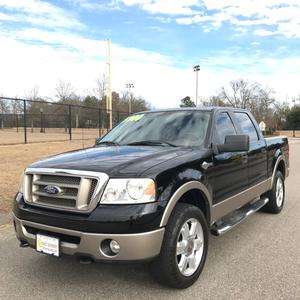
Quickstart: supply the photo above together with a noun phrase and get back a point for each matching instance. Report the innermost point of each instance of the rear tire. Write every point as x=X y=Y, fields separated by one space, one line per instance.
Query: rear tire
x=184 y=248
x=276 y=195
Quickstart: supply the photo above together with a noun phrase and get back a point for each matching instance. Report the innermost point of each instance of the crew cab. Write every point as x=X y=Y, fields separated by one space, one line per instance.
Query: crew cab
x=153 y=188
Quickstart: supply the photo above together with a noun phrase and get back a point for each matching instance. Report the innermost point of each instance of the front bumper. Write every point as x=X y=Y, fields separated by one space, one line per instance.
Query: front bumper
x=137 y=246
x=116 y=219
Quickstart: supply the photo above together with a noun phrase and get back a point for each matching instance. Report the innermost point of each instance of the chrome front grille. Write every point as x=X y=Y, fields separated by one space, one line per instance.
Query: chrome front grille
x=68 y=180
x=63 y=189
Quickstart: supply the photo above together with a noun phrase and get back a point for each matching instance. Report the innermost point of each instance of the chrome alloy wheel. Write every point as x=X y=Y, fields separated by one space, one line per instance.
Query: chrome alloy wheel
x=190 y=247
x=279 y=192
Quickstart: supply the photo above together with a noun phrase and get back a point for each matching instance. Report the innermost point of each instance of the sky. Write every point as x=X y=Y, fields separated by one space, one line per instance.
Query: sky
x=154 y=45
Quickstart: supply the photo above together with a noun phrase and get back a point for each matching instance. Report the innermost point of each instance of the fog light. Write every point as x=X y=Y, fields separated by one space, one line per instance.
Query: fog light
x=110 y=247
x=114 y=246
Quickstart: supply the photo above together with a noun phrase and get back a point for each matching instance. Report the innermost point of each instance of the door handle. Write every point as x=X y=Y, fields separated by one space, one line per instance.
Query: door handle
x=244 y=158
x=205 y=165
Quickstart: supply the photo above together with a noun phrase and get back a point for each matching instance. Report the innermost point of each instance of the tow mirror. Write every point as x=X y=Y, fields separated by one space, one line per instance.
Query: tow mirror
x=234 y=143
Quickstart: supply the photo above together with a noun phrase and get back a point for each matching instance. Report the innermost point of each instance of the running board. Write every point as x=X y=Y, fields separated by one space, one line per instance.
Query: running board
x=237 y=216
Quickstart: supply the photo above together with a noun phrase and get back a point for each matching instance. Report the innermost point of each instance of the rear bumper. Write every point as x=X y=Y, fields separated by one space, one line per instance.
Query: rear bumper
x=137 y=246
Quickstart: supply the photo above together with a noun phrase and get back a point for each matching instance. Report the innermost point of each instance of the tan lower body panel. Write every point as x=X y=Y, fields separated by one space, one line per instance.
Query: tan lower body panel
x=137 y=246
x=223 y=208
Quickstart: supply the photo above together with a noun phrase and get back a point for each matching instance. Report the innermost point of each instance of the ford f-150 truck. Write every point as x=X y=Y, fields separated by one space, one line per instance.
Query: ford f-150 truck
x=153 y=188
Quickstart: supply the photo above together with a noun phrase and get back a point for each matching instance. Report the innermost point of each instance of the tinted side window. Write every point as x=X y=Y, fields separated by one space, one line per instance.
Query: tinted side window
x=224 y=126
x=247 y=126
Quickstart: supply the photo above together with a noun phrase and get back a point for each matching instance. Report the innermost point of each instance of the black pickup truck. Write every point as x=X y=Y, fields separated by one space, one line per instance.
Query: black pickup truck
x=153 y=188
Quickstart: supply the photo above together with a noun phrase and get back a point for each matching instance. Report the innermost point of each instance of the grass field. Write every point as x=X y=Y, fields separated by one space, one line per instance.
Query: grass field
x=289 y=133
x=13 y=136
x=14 y=158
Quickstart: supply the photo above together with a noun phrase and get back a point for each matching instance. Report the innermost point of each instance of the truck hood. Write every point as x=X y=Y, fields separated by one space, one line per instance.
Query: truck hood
x=114 y=161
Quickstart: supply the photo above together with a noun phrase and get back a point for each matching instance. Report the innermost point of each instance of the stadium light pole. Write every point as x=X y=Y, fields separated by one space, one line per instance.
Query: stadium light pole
x=196 y=69
x=129 y=86
x=294 y=133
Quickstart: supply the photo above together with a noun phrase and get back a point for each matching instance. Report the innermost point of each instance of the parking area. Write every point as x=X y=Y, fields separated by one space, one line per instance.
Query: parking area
x=258 y=259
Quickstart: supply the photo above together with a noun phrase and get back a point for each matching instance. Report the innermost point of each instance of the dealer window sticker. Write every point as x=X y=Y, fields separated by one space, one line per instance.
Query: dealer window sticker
x=134 y=118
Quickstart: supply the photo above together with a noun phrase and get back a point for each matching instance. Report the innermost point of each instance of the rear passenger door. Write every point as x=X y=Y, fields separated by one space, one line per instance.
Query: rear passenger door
x=228 y=175
x=257 y=154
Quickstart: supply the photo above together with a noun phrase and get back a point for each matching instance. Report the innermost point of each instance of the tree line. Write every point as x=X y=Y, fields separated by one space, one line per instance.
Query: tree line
x=86 y=110
x=239 y=93
x=258 y=99
x=65 y=93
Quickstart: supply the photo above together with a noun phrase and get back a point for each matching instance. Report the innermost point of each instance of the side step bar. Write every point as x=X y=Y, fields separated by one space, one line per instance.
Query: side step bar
x=236 y=217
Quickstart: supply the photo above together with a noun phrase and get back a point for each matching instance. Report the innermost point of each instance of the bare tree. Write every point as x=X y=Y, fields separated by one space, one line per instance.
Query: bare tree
x=16 y=107
x=251 y=95
x=213 y=101
x=99 y=89
x=64 y=90
x=4 y=107
x=262 y=105
x=240 y=93
x=33 y=94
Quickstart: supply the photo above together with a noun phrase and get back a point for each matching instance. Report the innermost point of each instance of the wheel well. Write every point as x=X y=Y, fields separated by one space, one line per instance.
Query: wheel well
x=197 y=198
x=281 y=168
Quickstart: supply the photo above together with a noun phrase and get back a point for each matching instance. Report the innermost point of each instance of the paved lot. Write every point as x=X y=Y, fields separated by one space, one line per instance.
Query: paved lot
x=260 y=259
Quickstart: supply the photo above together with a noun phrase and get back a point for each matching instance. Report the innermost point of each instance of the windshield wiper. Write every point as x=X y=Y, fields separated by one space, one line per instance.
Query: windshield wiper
x=109 y=143
x=151 y=143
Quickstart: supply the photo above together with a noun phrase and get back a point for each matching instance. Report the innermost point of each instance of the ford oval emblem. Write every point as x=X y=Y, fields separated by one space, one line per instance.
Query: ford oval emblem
x=52 y=190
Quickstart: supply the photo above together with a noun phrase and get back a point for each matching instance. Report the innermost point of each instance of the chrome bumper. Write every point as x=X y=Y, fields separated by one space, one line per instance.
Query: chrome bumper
x=137 y=246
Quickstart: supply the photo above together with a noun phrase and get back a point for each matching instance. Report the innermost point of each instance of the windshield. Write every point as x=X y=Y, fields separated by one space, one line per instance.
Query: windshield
x=179 y=128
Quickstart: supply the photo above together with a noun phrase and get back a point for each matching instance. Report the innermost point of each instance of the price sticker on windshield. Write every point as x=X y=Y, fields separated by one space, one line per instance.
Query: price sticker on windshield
x=134 y=118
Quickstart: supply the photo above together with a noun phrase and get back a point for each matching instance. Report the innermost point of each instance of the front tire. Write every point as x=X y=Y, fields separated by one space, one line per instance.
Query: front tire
x=276 y=195
x=184 y=248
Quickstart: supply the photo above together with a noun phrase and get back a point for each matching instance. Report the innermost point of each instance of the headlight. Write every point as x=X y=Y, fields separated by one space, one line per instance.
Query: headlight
x=129 y=191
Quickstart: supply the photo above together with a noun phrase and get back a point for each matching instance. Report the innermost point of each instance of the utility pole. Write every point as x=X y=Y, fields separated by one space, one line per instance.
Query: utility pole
x=129 y=86
x=108 y=83
x=196 y=69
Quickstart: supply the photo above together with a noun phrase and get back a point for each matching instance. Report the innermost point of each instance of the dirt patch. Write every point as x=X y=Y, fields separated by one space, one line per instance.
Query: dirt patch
x=15 y=158
x=289 y=133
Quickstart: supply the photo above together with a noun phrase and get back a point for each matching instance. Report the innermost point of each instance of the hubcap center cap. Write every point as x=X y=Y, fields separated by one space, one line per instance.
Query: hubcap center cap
x=190 y=247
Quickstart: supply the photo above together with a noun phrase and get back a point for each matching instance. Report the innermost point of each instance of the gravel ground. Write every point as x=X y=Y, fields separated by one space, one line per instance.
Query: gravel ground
x=259 y=259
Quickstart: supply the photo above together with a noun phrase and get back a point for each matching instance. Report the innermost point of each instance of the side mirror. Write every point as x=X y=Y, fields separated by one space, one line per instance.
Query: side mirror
x=234 y=143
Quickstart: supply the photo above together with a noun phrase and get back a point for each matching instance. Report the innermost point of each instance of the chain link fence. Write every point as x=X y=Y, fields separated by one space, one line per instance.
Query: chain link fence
x=28 y=121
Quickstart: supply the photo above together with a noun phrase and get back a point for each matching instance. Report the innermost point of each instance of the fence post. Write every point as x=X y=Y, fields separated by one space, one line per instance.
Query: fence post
x=70 y=122
x=66 y=123
x=17 y=122
x=25 y=121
